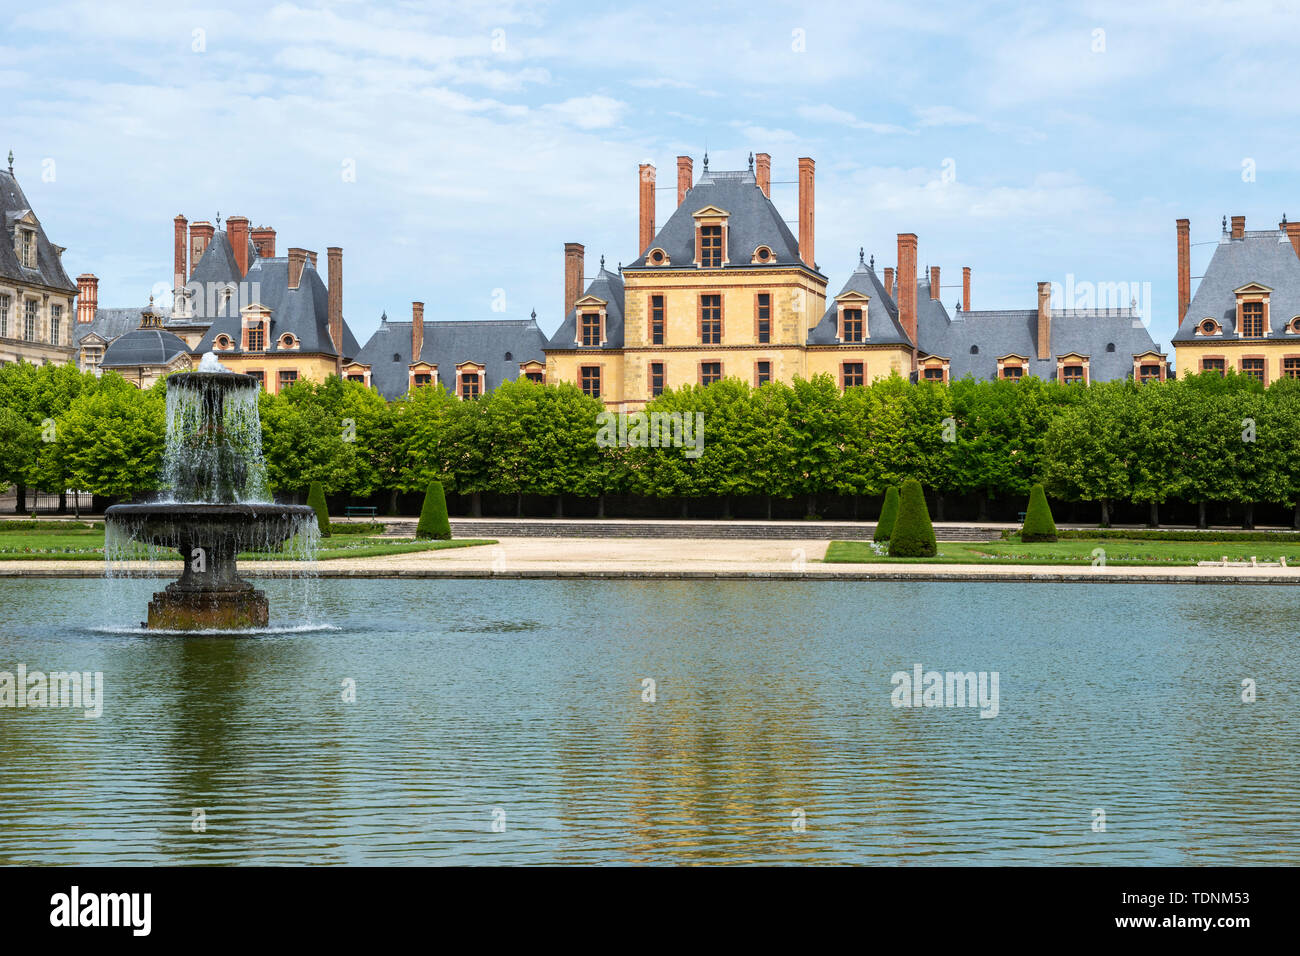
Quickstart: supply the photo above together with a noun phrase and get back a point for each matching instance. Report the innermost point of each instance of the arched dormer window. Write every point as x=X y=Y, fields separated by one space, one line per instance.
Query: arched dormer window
x=1208 y=326
x=657 y=257
x=1293 y=327
x=222 y=342
x=288 y=341
x=763 y=256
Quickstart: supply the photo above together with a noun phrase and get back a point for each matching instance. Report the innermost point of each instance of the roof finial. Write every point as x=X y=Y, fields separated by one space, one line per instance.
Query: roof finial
x=706 y=160
x=11 y=162
x=873 y=262
x=958 y=306
x=534 y=315
x=620 y=268
x=861 y=255
x=602 y=262
x=1225 y=223
x=383 y=316
x=751 y=160
x=1283 y=220
x=218 y=218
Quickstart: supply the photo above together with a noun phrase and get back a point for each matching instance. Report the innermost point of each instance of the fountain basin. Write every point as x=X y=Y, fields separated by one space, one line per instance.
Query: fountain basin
x=209 y=595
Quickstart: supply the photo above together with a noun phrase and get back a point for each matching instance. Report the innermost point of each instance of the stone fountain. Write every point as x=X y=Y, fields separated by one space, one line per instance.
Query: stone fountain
x=215 y=506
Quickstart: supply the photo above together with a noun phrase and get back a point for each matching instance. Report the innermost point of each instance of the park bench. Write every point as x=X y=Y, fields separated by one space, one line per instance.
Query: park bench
x=362 y=511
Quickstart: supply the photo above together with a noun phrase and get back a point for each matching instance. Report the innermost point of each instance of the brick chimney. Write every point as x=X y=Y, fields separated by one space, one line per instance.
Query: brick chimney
x=311 y=257
x=237 y=230
x=907 y=284
x=573 y=266
x=1238 y=227
x=264 y=242
x=297 y=259
x=934 y=282
x=200 y=235
x=88 y=294
x=889 y=281
x=180 y=251
x=1044 y=320
x=1293 y=233
x=646 y=186
x=1184 y=268
x=335 y=257
x=685 y=177
x=965 y=288
x=763 y=173
x=806 y=212
x=417 y=330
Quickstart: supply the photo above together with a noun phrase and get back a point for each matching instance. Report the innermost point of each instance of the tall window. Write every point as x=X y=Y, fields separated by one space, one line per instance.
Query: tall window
x=287 y=377
x=762 y=373
x=590 y=377
x=1291 y=367
x=853 y=374
x=471 y=385
x=56 y=320
x=257 y=338
x=656 y=320
x=261 y=378
x=710 y=372
x=764 y=318
x=535 y=377
x=1213 y=365
x=591 y=328
x=29 y=249
x=1151 y=373
x=711 y=319
x=934 y=373
x=1254 y=367
x=656 y=379
x=423 y=378
x=1072 y=374
x=852 y=326
x=1012 y=372
x=29 y=319
x=711 y=246
x=4 y=316
x=1252 y=319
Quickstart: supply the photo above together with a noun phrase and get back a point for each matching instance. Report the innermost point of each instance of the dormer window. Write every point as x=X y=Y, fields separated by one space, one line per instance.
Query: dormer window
x=711 y=247
x=27 y=247
x=421 y=373
x=1252 y=320
x=1293 y=327
x=256 y=321
x=288 y=341
x=1252 y=310
x=1208 y=327
x=851 y=325
x=763 y=256
x=851 y=308
x=711 y=237
x=657 y=257
x=591 y=315
x=1012 y=367
x=591 y=328
x=469 y=381
x=256 y=337
x=223 y=342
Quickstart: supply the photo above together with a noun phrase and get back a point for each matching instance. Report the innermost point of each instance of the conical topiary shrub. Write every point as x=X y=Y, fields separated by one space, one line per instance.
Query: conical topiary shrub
x=913 y=535
x=888 y=515
x=1039 y=525
x=316 y=498
x=433 y=516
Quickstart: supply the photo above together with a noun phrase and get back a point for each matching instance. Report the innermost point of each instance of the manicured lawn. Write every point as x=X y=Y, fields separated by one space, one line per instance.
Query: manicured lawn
x=73 y=544
x=1074 y=551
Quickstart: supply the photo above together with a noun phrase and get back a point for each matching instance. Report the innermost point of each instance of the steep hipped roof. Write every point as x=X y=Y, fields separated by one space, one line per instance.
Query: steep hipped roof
x=499 y=345
x=1266 y=257
x=108 y=324
x=303 y=311
x=144 y=347
x=752 y=221
x=607 y=286
x=49 y=267
x=883 y=327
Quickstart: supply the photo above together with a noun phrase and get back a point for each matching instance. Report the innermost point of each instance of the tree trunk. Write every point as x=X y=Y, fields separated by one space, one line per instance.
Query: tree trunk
x=392 y=502
x=984 y=507
x=20 y=499
x=938 y=507
x=1200 y=515
x=768 y=503
x=1105 y=513
x=812 y=506
x=519 y=504
x=1248 y=516
x=1295 y=517
x=726 y=507
x=1154 y=520
x=559 y=506
x=63 y=502
x=600 y=506
x=476 y=505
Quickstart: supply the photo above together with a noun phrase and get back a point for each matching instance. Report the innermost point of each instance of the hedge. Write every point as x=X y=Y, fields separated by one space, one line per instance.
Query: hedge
x=316 y=498
x=888 y=515
x=433 y=516
x=913 y=535
x=1039 y=525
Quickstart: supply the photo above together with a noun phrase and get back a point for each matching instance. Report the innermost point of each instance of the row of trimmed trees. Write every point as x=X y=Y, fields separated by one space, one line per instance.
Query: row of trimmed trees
x=1204 y=440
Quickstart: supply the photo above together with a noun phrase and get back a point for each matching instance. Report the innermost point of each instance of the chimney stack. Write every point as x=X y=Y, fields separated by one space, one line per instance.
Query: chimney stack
x=88 y=295
x=934 y=282
x=264 y=242
x=1044 y=320
x=311 y=257
x=1184 y=268
x=685 y=177
x=200 y=235
x=806 y=212
x=237 y=231
x=297 y=259
x=646 y=177
x=417 y=330
x=573 y=266
x=889 y=281
x=334 y=254
x=1293 y=233
x=965 y=288
x=763 y=173
x=1238 y=227
x=907 y=284
x=179 y=253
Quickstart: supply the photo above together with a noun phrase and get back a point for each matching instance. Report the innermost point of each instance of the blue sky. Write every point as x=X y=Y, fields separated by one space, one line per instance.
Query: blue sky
x=483 y=136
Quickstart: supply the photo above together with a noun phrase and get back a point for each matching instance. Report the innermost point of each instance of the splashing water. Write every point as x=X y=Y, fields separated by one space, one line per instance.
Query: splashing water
x=214 y=443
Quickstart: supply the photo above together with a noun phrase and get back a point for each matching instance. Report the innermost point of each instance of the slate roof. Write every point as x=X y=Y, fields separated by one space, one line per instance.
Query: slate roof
x=883 y=327
x=753 y=221
x=304 y=311
x=111 y=323
x=1263 y=256
x=49 y=267
x=143 y=347
x=608 y=286
x=487 y=342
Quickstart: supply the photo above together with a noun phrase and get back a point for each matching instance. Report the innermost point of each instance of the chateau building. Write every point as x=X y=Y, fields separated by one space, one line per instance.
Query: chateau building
x=725 y=289
x=147 y=353
x=36 y=295
x=469 y=358
x=1246 y=311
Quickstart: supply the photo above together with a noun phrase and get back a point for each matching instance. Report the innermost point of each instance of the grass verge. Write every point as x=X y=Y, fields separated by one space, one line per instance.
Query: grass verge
x=1077 y=551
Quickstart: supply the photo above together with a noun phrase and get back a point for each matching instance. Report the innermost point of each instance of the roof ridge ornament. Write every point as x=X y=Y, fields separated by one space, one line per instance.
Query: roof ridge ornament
x=872 y=265
x=1225 y=225
x=751 y=160
x=218 y=218
x=11 y=162
x=706 y=160
x=602 y=262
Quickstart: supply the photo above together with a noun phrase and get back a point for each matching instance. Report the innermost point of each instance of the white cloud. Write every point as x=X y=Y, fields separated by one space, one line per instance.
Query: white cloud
x=825 y=113
x=589 y=112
